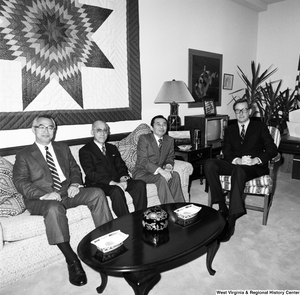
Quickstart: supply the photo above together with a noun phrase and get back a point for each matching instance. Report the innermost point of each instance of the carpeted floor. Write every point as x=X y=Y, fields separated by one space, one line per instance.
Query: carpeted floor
x=256 y=258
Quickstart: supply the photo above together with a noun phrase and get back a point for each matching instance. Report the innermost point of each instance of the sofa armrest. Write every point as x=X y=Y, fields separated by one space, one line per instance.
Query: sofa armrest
x=185 y=169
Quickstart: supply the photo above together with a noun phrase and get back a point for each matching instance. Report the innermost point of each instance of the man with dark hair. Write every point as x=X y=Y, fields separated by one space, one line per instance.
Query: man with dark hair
x=104 y=168
x=155 y=162
x=48 y=177
x=248 y=147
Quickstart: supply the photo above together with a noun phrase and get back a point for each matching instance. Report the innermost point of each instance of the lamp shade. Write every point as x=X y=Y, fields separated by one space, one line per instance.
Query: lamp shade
x=174 y=91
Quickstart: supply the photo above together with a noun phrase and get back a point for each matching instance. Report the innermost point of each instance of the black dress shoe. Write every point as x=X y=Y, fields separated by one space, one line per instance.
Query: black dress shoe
x=226 y=234
x=77 y=275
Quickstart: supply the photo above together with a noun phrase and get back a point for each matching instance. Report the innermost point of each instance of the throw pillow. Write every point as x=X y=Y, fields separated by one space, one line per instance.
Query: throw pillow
x=128 y=145
x=11 y=202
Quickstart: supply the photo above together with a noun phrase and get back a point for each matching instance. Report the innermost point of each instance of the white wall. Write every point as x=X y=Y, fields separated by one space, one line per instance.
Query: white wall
x=279 y=42
x=168 y=28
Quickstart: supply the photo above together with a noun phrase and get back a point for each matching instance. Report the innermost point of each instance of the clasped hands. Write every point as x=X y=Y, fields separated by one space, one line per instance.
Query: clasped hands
x=247 y=160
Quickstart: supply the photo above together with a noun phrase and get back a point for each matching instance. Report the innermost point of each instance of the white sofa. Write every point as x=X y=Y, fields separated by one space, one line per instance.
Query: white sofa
x=24 y=249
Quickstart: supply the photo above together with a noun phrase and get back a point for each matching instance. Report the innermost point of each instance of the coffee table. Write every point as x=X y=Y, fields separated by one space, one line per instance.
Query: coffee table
x=139 y=261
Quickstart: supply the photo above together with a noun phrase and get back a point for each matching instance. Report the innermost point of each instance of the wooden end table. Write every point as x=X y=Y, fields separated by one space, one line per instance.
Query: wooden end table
x=140 y=261
x=197 y=158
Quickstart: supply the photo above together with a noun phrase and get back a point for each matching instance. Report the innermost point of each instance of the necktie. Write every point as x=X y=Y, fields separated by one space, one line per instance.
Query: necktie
x=104 y=150
x=52 y=168
x=243 y=133
x=160 y=144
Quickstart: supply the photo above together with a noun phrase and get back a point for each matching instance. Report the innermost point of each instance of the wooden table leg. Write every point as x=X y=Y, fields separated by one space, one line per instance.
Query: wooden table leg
x=101 y=288
x=212 y=249
x=142 y=281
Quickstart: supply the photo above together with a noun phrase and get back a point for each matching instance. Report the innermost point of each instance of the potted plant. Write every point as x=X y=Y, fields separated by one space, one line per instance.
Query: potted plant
x=272 y=105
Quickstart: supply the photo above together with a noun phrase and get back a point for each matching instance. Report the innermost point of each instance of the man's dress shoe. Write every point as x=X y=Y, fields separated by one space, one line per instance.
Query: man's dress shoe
x=77 y=275
x=226 y=234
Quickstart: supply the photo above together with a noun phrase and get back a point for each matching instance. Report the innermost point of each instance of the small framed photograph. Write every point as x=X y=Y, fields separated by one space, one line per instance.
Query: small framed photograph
x=209 y=107
x=228 y=81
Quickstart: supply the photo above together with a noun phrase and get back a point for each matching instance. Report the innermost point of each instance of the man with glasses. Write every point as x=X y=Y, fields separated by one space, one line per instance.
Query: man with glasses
x=104 y=168
x=155 y=162
x=48 y=177
x=247 y=149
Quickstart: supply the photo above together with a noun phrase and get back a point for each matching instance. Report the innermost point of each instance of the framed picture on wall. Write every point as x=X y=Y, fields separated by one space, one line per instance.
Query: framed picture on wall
x=209 y=107
x=205 y=77
x=228 y=81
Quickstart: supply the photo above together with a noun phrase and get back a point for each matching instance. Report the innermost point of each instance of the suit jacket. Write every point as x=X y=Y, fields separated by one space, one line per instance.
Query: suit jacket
x=258 y=142
x=32 y=177
x=148 y=156
x=100 y=169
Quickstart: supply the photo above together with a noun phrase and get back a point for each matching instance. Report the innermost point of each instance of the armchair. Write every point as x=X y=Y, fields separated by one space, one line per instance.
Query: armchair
x=263 y=186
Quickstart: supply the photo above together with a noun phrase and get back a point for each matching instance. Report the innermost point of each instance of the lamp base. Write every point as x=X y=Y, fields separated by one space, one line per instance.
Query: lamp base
x=174 y=122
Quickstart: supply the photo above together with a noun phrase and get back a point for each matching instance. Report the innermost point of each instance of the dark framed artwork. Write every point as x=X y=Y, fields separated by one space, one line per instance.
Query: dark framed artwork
x=209 y=107
x=205 y=77
x=228 y=81
x=70 y=69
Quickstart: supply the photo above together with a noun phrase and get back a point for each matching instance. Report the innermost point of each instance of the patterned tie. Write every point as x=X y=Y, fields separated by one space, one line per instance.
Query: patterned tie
x=103 y=150
x=160 y=144
x=52 y=168
x=243 y=133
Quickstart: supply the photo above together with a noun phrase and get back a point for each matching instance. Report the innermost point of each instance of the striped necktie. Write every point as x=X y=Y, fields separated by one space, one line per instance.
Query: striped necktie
x=103 y=150
x=56 y=180
x=243 y=133
x=160 y=144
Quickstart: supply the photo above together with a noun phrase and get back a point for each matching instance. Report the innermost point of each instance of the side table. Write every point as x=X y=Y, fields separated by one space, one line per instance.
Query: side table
x=197 y=158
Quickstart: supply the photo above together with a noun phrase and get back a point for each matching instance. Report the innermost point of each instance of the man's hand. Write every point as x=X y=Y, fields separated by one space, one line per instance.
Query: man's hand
x=124 y=178
x=51 y=196
x=73 y=191
x=247 y=160
x=122 y=185
x=166 y=174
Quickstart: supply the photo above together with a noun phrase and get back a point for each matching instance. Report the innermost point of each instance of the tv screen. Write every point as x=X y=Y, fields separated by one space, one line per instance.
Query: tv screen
x=214 y=129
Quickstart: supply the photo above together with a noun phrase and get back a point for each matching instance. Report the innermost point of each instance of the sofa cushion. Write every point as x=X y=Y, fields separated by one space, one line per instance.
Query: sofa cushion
x=11 y=202
x=128 y=145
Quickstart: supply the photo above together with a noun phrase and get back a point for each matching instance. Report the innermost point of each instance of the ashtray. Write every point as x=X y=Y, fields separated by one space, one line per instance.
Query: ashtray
x=184 y=147
x=155 y=219
x=110 y=241
x=188 y=211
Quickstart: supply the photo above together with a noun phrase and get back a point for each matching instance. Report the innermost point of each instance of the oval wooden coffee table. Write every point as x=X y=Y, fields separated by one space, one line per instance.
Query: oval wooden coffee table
x=139 y=260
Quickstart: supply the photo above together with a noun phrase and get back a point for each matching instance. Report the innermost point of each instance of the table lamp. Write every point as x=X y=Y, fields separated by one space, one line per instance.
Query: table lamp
x=173 y=92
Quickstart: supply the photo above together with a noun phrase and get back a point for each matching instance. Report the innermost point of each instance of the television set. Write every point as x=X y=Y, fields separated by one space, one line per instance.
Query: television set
x=211 y=128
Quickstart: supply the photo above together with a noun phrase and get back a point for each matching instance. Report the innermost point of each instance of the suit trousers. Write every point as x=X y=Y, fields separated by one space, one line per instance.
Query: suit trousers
x=136 y=189
x=168 y=192
x=54 y=212
x=240 y=174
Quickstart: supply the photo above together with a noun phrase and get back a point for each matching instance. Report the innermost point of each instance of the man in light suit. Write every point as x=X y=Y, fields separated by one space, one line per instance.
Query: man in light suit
x=51 y=195
x=248 y=147
x=104 y=168
x=155 y=162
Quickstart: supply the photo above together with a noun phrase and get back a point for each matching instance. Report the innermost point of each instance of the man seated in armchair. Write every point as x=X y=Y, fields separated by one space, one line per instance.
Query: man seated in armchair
x=248 y=147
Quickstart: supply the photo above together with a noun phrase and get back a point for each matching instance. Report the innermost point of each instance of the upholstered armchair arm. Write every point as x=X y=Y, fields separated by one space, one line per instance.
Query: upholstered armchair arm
x=185 y=169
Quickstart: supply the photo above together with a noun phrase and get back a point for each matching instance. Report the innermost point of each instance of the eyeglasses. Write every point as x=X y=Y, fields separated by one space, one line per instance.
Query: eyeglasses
x=43 y=127
x=102 y=131
x=237 y=111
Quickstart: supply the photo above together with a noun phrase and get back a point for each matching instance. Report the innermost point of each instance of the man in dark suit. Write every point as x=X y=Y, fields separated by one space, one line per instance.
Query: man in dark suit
x=155 y=162
x=48 y=177
x=104 y=168
x=248 y=146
